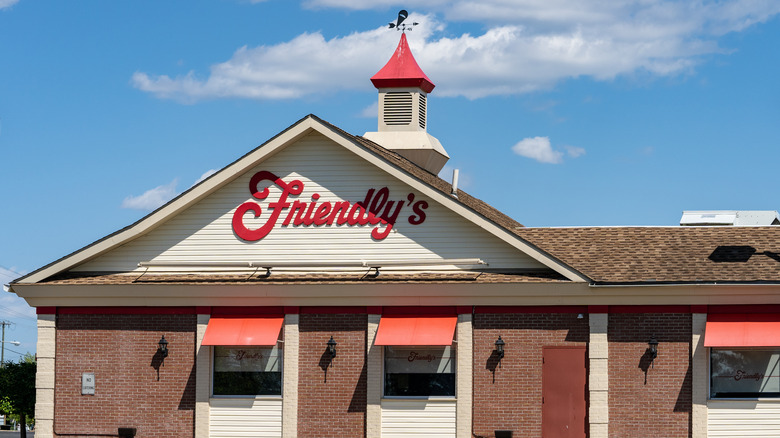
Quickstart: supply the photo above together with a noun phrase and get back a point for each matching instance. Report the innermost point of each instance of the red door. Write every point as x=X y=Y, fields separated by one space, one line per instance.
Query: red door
x=564 y=404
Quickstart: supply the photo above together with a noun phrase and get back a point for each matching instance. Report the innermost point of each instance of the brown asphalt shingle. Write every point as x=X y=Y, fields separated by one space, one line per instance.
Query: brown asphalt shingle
x=665 y=254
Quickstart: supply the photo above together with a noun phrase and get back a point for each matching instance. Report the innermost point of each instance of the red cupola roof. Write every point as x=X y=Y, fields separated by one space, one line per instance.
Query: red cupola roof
x=402 y=71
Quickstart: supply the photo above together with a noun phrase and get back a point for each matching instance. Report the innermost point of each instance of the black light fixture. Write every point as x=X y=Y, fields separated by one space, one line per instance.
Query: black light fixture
x=500 y=347
x=653 y=348
x=332 y=347
x=162 y=347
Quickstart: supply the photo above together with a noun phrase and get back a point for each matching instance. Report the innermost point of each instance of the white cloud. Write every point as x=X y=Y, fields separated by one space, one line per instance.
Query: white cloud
x=308 y=64
x=374 y=4
x=153 y=198
x=539 y=149
x=158 y=196
x=528 y=45
x=371 y=111
x=574 y=151
x=7 y=3
x=205 y=175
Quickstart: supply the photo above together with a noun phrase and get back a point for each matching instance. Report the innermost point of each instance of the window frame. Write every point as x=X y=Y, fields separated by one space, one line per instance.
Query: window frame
x=453 y=358
x=744 y=396
x=213 y=351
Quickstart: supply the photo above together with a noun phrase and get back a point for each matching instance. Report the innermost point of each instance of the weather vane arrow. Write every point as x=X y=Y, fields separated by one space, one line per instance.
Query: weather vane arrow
x=399 y=24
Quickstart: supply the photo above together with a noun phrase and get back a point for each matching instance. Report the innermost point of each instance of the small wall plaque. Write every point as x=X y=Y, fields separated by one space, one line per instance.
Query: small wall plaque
x=88 y=384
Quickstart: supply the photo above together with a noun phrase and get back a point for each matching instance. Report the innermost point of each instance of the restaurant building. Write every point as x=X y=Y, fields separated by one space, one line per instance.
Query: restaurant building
x=331 y=285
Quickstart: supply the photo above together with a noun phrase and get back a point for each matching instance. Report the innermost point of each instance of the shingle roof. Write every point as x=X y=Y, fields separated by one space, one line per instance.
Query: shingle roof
x=602 y=254
x=665 y=254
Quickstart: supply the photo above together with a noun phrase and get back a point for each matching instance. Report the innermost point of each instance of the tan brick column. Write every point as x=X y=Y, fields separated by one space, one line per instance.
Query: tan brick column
x=598 y=381
x=465 y=375
x=700 y=384
x=202 y=379
x=290 y=377
x=374 y=384
x=44 y=378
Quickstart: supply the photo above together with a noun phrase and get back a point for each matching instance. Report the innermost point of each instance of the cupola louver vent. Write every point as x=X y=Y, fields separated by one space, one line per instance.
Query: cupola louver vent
x=398 y=108
x=422 y=111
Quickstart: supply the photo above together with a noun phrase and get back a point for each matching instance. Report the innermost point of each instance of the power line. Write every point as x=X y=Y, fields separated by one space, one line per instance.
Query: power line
x=16 y=314
x=15 y=352
x=11 y=271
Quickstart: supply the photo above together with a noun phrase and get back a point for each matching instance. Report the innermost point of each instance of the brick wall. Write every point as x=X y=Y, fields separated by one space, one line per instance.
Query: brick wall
x=332 y=396
x=649 y=401
x=132 y=388
x=510 y=397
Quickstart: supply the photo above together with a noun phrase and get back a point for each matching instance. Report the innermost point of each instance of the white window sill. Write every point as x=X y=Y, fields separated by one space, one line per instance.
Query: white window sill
x=434 y=398
x=248 y=397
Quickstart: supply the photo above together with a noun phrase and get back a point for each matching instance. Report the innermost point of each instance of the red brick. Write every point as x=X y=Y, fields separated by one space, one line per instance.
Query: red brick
x=129 y=390
x=332 y=395
x=510 y=397
x=645 y=397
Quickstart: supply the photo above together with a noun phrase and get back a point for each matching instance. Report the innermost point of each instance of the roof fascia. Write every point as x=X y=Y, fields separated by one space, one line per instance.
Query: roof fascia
x=178 y=204
x=411 y=294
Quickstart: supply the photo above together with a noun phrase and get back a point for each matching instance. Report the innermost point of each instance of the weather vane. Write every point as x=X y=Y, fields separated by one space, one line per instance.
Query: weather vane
x=400 y=25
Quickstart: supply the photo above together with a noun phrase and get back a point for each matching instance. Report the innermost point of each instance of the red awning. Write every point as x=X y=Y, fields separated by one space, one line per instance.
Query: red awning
x=243 y=331
x=742 y=330
x=416 y=330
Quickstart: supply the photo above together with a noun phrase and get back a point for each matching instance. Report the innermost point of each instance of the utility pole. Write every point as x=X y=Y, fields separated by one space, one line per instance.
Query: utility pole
x=2 y=347
x=2 y=350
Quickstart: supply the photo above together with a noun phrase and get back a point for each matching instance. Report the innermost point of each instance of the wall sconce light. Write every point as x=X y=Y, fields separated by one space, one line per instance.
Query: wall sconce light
x=500 y=347
x=332 y=347
x=162 y=347
x=653 y=349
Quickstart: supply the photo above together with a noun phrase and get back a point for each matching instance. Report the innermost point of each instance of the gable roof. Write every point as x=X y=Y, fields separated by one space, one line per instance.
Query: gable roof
x=437 y=189
x=652 y=255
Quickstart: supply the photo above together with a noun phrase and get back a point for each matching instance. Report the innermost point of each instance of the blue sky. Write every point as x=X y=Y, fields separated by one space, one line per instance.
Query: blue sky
x=557 y=112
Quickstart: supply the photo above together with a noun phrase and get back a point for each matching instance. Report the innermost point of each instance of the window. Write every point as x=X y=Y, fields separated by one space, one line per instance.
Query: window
x=419 y=371
x=247 y=370
x=743 y=373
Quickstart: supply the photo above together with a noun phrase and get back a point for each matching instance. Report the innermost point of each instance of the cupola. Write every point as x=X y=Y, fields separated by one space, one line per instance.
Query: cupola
x=403 y=111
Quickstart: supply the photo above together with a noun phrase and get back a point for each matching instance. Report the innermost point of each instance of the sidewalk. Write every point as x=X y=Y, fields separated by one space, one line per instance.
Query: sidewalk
x=15 y=434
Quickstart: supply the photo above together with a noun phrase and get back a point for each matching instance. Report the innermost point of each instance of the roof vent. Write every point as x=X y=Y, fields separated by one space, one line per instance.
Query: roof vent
x=729 y=217
x=398 y=108
x=422 y=111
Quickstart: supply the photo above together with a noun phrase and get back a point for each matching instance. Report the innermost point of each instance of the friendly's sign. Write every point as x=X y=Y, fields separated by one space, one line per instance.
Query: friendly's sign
x=375 y=209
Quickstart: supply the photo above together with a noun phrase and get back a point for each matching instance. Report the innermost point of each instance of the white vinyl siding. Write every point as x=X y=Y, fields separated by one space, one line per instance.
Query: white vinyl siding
x=204 y=233
x=245 y=417
x=418 y=418
x=743 y=418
